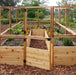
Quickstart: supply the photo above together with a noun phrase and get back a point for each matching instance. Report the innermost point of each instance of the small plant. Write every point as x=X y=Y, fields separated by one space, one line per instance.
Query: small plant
x=18 y=31
x=67 y=42
x=9 y=39
x=55 y=29
x=21 y=44
x=61 y=31
x=17 y=42
x=10 y=44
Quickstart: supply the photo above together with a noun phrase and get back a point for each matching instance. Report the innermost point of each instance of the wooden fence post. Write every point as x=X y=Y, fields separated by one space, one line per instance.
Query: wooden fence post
x=55 y=14
x=16 y=16
x=38 y=16
x=25 y=31
x=66 y=19
x=10 y=19
x=52 y=37
x=20 y=15
x=0 y=25
x=59 y=18
x=52 y=40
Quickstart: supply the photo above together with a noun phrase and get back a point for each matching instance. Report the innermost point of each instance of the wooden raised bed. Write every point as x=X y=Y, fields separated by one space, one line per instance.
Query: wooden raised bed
x=38 y=57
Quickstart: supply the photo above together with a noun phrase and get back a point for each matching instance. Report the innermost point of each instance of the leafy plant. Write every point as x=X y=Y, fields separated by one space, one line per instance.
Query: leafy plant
x=55 y=29
x=61 y=31
x=67 y=41
x=12 y=30
x=17 y=42
x=9 y=39
x=18 y=31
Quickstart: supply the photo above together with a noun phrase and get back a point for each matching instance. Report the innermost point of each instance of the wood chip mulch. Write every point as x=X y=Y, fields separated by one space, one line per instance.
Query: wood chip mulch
x=29 y=70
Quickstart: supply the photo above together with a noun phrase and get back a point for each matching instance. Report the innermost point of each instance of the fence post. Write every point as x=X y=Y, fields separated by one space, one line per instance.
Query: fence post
x=0 y=25
x=55 y=14
x=66 y=19
x=52 y=38
x=38 y=16
x=20 y=15
x=16 y=16
x=25 y=31
x=10 y=19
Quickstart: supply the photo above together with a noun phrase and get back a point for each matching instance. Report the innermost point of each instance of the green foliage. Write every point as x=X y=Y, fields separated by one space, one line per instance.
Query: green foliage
x=5 y=21
x=55 y=29
x=61 y=31
x=17 y=42
x=70 y=22
x=13 y=20
x=41 y=15
x=9 y=39
x=12 y=30
x=31 y=19
x=31 y=13
x=9 y=2
x=67 y=41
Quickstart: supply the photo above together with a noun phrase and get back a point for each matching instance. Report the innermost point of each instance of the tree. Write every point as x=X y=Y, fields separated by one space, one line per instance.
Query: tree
x=9 y=2
x=33 y=2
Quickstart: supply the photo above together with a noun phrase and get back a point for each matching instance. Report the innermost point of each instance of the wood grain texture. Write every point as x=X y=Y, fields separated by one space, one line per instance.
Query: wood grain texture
x=65 y=55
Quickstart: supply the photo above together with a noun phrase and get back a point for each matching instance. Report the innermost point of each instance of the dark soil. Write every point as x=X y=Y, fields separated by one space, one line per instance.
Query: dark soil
x=14 y=42
x=41 y=44
x=29 y=70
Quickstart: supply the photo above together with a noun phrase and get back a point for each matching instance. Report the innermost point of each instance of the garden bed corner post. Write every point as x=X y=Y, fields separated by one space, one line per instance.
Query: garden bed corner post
x=25 y=31
x=52 y=37
x=0 y=26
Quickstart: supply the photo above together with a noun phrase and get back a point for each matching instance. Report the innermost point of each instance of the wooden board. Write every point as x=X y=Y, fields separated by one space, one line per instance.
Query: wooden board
x=38 y=32
x=65 y=55
x=37 y=57
x=11 y=55
x=34 y=57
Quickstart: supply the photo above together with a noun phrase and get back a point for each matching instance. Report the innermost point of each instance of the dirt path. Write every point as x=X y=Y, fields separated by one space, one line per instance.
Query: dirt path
x=29 y=70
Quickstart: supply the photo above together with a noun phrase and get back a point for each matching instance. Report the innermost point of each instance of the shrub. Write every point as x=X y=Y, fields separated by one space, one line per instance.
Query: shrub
x=41 y=15
x=31 y=13
x=67 y=41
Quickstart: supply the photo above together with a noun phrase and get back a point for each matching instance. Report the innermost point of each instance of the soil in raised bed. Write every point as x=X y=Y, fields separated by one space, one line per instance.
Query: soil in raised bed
x=29 y=70
x=41 y=44
x=14 y=42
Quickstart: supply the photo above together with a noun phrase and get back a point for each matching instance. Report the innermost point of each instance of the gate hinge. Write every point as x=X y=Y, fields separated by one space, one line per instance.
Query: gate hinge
x=24 y=32
x=24 y=10
x=24 y=39
x=24 y=61
x=48 y=39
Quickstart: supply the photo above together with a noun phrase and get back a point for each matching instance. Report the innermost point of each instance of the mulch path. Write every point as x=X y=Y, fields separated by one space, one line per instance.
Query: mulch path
x=41 y=44
x=29 y=70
